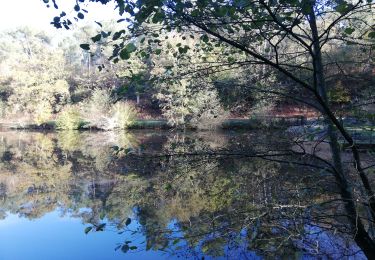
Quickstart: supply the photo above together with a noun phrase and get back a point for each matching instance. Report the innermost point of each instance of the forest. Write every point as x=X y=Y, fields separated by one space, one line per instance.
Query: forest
x=204 y=128
x=182 y=79
x=47 y=82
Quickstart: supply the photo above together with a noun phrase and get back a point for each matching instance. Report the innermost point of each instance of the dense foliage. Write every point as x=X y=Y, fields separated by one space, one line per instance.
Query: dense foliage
x=303 y=44
x=44 y=78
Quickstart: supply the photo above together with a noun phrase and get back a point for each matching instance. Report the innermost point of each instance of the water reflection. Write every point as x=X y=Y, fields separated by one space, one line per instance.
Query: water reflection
x=166 y=194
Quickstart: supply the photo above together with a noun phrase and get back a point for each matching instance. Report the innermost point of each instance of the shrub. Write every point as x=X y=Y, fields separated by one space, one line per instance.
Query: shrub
x=69 y=119
x=80 y=94
x=97 y=110
x=70 y=141
x=192 y=103
x=100 y=101
x=3 y=108
x=173 y=98
x=43 y=113
x=124 y=115
x=206 y=112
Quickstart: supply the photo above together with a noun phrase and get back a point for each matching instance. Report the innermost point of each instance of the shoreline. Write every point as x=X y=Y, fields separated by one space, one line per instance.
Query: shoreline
x=157 y=124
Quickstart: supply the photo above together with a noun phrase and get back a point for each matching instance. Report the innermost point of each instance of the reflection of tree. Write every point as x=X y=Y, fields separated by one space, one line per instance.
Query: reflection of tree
x=39 y=171
x=221 y=196
x=207 y=203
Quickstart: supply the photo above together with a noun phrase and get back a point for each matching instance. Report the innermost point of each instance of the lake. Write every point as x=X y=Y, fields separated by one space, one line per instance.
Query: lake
x=166 y=195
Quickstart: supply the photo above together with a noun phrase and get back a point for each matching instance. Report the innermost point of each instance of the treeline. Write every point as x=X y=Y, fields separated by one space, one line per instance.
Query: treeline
x=44 y=80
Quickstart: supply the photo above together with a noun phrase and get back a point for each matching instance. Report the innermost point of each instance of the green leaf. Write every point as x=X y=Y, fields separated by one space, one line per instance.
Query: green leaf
x=349 y=30
x=128 y=221
x=117 y=35
x=195 y=13
x=157 y=51
x=85 y=46
x=87 y=230
x=96 y=38
x=100 y=227
x=231 y=59
x=105 y=34
x=130 y=47
x=125 y=248
x=121 y=6
x=183 y=49
x=128 y=150
x=133 y=248
x=371 y=35
x=221 y=11
x=342 y=8
x=188 y=5
x=124 y=54
x=158 y=17
x=168 y=187
x=204 y=38
x=143 y=54
x=305 y=6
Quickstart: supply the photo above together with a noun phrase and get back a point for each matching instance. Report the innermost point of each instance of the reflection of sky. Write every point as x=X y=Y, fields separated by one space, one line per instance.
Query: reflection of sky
x=335 y=246
x=56 y=237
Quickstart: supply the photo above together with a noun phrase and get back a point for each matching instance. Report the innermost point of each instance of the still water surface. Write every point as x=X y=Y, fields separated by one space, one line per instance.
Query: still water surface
x=163 y=195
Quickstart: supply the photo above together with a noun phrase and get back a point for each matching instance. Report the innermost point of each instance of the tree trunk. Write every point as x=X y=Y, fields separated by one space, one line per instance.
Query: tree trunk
x=361 y=236
x=364 y=241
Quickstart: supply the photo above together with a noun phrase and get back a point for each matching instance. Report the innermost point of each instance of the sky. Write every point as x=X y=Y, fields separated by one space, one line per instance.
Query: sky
x=34 y=13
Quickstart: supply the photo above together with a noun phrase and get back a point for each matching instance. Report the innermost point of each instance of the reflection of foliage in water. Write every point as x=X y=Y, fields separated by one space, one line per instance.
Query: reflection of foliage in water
x=201 y=204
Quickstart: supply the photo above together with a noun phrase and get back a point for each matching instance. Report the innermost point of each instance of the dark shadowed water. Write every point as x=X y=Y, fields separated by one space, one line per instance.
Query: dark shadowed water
x=164 y=195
